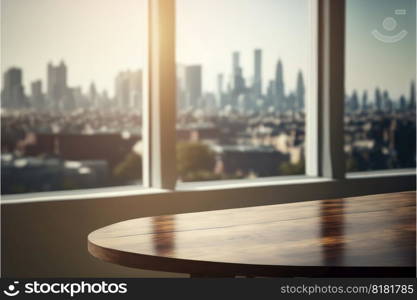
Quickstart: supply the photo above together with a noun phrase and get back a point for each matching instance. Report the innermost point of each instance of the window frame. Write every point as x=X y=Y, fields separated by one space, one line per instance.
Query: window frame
x=325 y=162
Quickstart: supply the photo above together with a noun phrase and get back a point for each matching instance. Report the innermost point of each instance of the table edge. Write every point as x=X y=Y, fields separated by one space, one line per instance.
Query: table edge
x=226 y=269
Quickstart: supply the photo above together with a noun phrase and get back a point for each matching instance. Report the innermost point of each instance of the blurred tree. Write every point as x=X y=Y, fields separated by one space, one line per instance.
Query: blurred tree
x=129 y=169
x=195 y=161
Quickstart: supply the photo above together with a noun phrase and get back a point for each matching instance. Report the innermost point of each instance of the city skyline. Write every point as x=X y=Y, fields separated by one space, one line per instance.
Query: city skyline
x=111 y=43
x=189 y=80
x=111 y=36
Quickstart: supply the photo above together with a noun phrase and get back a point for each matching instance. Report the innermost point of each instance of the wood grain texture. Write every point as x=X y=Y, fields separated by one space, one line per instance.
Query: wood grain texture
x=370 y=236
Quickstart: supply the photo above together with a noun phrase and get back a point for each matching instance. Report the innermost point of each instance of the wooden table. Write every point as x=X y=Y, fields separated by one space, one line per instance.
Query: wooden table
x=371 y=236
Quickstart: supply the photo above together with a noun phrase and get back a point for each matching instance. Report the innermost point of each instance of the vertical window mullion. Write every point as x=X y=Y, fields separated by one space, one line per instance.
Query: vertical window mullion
x=331 y=71
x=162 y=95
x=312 y=112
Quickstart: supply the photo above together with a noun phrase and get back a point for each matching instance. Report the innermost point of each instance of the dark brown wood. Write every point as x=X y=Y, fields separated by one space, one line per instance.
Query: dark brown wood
x=370 y=236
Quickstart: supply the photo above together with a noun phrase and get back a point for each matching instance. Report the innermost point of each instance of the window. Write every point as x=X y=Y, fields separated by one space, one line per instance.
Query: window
x=236 y=89
x=242 y=79
x=72 y=93
x=380 y=105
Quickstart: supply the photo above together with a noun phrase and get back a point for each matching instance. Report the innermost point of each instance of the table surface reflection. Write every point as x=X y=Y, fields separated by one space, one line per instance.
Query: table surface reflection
x=360 y=236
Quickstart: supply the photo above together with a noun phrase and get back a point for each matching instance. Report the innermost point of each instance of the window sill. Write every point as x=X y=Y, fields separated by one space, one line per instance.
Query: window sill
x=108 y=192
x=226 y=185
x=381 y=173
x=249 y=183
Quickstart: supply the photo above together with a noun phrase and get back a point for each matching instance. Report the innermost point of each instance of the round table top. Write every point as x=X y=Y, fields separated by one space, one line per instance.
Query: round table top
x=360 y=236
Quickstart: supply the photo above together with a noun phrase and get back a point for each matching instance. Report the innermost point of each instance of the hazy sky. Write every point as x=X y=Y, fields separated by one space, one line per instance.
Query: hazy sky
x=209 y=31
x=99 y=38
x=96 y=38
x=372 y=63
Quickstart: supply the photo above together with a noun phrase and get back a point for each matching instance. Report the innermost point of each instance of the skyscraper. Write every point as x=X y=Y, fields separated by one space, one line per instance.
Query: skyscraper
x=193 y=85
x=238 y=82
x=57 y=84
x=128 y=90
x=37 y=97
x=386 y=101
x=413 y=95
x=136 y=89
x=378 y=99
x=300 y=93
x=365 y=100
x=257 y=78
x=354 y=101
x=279 y=87
x=220 y=91
x=181 y=101
x=93 y=95
x=13 y=95
x=270 y=94
x=403 y=103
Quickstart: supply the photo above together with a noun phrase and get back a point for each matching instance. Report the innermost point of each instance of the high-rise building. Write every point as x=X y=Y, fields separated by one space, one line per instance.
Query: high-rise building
x=386 y=101
x=136 y=89
x=365 y=100
x=79 y=98
x=128 y=89
x=181 y=101
x=93 y=95
x=354 y=101
x=238 y=82
x=378 y=100
x=57 y=88
x=193 y=85
x=413 y=95
x=270 y=94
x=279 y=87
x=13 y=95
x=300 y=93
x=257 y=78
x=220 y=90
x=403 y=103
x=37 y=97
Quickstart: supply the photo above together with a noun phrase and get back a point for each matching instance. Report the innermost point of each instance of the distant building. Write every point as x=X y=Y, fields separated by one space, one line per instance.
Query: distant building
x=354 y=102
x=37 y=97
x=57 y=88
x=129 y=91
x=238 y=82
x=220 y=90
x=49 y=173
x=413 y=96
x=93 y=95
x=364 y=101
x=13 y=95
x=403 y=103
x=245 y=160
x=257 y=78
x=181 y=101
x=378 y=100
x=279 y=87
x=193 y=86
x=300 y=92
x=204 y=134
